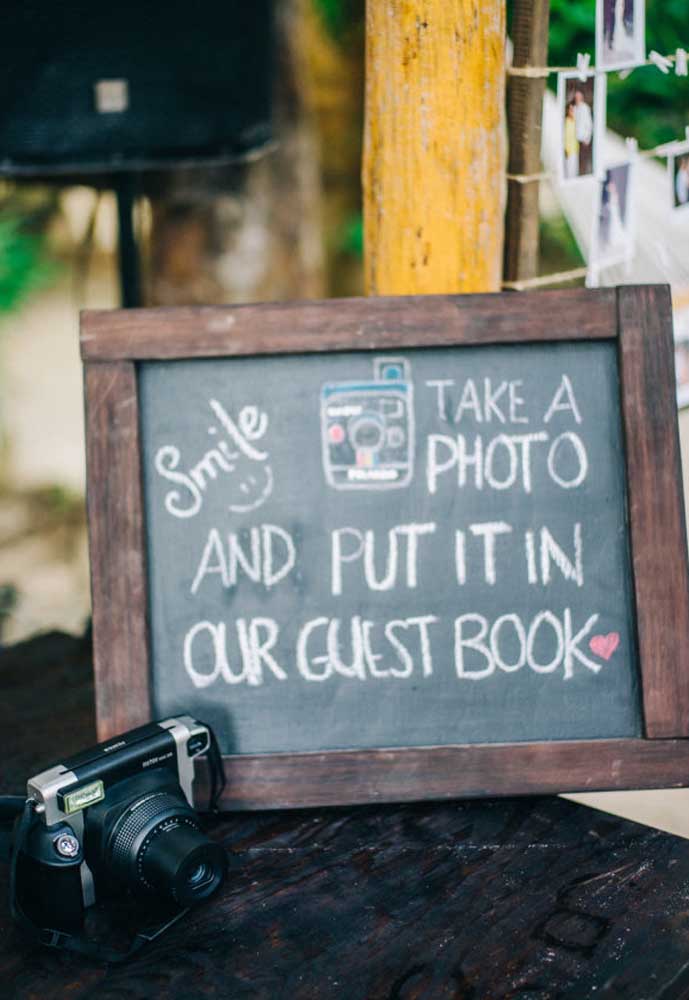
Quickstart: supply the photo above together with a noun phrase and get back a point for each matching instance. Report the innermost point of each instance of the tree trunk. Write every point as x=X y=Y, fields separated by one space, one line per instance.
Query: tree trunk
x=524 y=116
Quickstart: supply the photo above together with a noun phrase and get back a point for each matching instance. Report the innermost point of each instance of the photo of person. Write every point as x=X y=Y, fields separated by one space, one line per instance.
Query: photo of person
x=678 y=176
x=613 y=234
x=620 y=33
x=582 y=114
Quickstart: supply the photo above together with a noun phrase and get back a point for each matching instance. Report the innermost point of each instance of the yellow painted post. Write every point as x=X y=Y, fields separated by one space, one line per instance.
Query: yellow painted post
x=433 y=167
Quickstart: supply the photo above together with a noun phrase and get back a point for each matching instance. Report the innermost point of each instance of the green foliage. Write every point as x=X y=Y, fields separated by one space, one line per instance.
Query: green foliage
x=340 y=16
x=351 y=236
x=558 y=248
x=572 y=30
x=23 y=262
x=56 y=501
x=648 y=105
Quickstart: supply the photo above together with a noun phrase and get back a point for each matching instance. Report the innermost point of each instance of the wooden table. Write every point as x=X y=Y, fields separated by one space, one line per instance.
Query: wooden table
x=517 y=898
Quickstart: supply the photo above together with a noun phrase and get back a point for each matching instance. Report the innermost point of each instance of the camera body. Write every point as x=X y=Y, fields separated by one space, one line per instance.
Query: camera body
x=118 y=817
x=367 y=429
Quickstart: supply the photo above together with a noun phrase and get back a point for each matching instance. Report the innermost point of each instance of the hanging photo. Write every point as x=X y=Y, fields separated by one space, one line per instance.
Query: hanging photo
x=620 y=34
x=612 y=240
x=581 y=105
x=678 y=176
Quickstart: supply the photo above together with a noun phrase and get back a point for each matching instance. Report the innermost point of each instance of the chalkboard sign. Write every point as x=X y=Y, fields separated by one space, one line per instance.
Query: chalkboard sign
x=395 y=548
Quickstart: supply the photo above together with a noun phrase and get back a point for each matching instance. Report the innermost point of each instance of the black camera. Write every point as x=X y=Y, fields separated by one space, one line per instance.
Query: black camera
x=118 y=817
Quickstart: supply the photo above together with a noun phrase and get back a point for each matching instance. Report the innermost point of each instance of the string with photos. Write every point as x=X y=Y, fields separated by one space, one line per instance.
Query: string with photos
x=584 y=70
x=680 y=59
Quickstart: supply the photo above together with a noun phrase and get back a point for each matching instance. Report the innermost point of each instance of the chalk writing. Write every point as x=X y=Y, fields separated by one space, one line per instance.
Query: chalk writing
x=217 y=463
x=444 y=533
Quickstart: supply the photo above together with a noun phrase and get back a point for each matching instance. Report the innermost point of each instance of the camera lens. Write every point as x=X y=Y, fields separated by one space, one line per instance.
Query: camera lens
x=158 y=845
x=367 y=431
x=200 y=874
x=182 y=862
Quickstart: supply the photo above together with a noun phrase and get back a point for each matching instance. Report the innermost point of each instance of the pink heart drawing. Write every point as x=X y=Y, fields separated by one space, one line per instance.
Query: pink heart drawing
x=604 y=645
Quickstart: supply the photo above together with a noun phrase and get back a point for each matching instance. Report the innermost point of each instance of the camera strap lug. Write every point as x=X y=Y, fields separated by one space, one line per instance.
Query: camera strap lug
x=217 y=773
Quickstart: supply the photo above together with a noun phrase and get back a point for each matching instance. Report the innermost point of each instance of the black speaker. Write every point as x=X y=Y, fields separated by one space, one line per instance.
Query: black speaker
x=88 y=85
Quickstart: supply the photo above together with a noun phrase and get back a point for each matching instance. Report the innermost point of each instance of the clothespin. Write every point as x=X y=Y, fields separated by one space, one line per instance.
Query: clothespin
x=583 y=63
x=662 y=62
x=632 y=146
x=681 y=63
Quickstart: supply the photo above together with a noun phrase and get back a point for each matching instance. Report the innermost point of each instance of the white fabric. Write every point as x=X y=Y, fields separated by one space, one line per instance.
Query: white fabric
x=583 y=119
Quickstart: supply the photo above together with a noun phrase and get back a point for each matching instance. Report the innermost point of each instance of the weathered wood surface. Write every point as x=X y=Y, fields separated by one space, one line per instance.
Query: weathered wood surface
x=433 y=146
x=656 y=505
x=261 y=781
x=492 y=900
x=117 y=548
x=346 y=324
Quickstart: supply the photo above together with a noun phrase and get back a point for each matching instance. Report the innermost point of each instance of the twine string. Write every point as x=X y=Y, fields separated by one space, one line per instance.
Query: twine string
x=543 y=71
x=546 y=279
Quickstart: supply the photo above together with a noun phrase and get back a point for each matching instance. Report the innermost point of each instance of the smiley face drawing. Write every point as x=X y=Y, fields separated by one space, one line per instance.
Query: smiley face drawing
x=234 y=462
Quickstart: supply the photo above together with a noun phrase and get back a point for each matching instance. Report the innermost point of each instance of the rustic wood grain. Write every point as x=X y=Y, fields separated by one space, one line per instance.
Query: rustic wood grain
x=656 y=506
x=265 y=781
x=347 y=324
x=433 y=161
x=502 y=899
x=529 y=34
x=117 y=552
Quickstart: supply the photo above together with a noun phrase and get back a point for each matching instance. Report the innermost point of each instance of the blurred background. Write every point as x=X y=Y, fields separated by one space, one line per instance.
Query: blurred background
x=280 y=218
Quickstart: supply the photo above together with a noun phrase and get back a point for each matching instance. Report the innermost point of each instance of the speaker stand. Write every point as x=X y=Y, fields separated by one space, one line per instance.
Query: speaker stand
x=128 y=250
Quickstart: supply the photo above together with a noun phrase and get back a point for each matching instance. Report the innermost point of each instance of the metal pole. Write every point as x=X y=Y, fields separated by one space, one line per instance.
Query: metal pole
x=128 y=251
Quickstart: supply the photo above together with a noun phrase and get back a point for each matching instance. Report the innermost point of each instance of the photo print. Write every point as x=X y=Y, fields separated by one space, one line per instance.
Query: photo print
x=612 y=240
x=620 y=34
x=581 y=105
x=678 y=176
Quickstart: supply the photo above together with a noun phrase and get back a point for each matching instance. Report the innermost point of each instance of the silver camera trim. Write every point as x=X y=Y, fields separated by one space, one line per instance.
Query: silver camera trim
x=43 y=788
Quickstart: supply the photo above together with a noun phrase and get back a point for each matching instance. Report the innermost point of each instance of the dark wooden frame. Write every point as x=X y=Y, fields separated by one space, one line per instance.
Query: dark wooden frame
x=638 y=318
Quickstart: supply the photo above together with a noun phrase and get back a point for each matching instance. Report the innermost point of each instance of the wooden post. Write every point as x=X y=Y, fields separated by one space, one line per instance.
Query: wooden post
x=524 y=117
x=433 y=169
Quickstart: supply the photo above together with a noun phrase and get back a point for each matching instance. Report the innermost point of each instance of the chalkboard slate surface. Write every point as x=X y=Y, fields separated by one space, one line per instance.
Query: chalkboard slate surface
x=363 y=550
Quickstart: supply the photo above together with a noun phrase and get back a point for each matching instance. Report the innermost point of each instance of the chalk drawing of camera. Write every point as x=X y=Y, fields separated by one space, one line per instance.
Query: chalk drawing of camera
x=367 y=429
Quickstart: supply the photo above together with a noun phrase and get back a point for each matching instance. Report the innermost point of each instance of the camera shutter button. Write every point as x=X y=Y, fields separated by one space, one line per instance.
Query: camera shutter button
x=67 y=845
